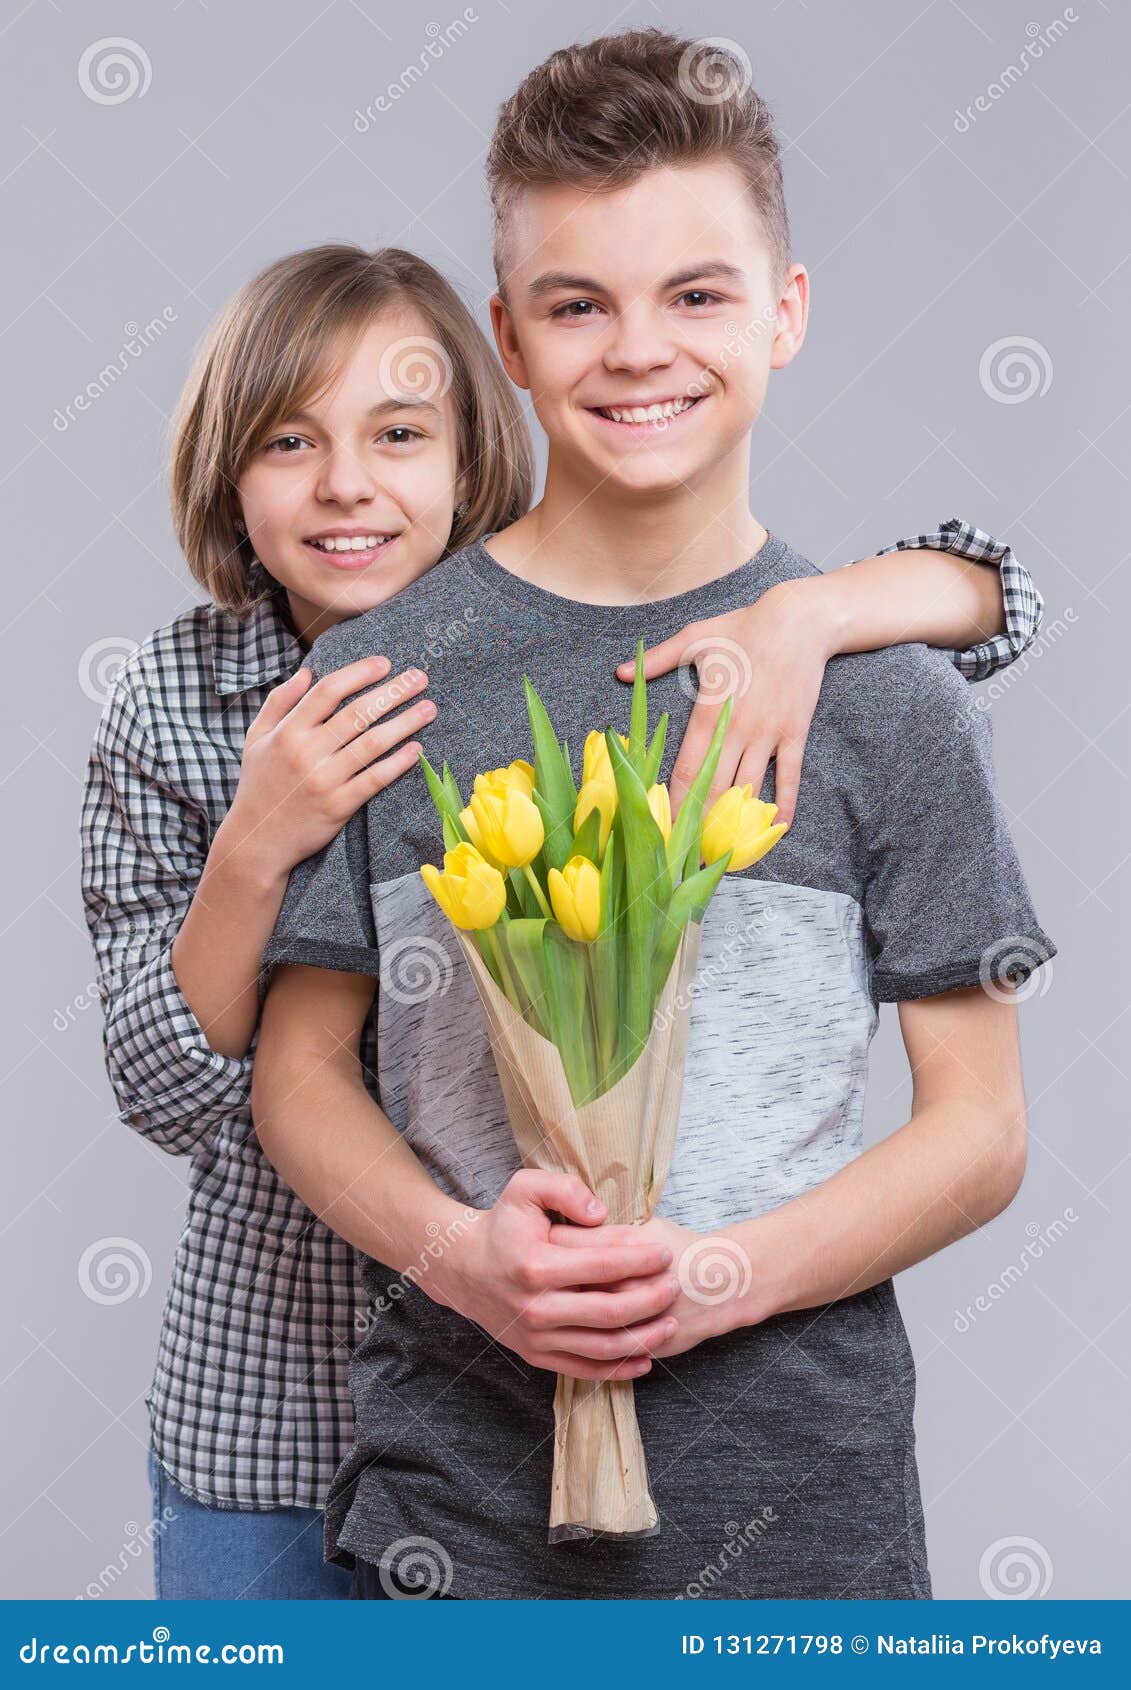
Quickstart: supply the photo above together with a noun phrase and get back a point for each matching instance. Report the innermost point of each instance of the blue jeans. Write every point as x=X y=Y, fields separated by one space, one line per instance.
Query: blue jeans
x=201 y=1553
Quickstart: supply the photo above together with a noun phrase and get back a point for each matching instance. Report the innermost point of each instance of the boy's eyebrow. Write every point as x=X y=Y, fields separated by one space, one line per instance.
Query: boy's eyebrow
x=713 y=269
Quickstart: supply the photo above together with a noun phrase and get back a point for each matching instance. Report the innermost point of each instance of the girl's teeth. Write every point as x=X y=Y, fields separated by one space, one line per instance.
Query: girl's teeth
x=348 y=543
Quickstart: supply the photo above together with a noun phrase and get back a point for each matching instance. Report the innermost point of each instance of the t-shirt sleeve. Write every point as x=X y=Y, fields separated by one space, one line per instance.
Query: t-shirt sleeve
x=326 y=919
x=945 y=900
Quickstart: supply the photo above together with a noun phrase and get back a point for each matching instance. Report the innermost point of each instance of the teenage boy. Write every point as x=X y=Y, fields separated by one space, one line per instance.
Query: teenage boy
x=643 y=261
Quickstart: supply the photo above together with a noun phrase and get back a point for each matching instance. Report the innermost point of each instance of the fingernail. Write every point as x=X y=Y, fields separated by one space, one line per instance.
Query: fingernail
x=669 y=1329
x=665 y=1258
x=675 y=1287
x=594 y=1206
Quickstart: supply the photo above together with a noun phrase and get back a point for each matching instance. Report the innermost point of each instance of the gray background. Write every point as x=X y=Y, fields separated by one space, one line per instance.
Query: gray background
x=930 y=238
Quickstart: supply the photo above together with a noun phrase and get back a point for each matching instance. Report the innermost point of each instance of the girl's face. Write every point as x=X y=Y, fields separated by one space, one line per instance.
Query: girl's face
x=352 y=497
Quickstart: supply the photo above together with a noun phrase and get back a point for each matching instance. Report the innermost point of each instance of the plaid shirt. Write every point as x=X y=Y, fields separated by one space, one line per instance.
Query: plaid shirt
x=250 y=1403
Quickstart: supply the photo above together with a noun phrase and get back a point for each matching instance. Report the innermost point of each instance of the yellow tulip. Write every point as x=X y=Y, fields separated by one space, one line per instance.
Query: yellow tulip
x=519 y=773
x=596 y=795
x=508 y=824
x=471 y=828
x=471 y=892
x=575 y=893
x=741 y=823
x=595 y=763
x=660 y=805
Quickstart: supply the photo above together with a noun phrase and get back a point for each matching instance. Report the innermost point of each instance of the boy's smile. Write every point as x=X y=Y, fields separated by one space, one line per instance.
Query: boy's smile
x=644 y=418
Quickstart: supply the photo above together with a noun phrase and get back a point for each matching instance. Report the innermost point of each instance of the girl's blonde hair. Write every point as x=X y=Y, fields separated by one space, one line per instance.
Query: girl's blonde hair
x=277 y=344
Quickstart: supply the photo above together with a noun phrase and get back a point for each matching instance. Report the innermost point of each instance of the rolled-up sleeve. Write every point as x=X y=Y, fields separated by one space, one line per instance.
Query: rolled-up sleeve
x=144 y=847
x=1024 y=606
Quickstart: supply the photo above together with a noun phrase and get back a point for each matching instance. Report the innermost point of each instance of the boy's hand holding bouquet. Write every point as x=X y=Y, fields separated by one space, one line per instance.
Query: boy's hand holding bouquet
x=579 y=912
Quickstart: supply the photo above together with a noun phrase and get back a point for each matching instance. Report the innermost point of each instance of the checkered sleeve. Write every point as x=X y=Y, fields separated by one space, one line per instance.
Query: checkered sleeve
x=1024 y=606
x=143 y=853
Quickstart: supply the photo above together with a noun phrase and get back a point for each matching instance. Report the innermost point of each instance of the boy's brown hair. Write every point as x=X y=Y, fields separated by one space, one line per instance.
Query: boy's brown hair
x=600 y=113
x=277 y=344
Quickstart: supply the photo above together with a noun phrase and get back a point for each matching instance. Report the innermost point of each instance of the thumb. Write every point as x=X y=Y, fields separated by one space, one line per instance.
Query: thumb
x=283 y=698
x=658 y=659
x=567 y=1194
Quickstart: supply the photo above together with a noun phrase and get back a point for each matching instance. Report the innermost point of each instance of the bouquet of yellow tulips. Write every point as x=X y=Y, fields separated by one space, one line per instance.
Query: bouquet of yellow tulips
x=579 y=910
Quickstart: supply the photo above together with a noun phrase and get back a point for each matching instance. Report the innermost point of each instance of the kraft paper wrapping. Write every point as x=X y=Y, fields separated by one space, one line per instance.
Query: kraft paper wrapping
x=621 y=1144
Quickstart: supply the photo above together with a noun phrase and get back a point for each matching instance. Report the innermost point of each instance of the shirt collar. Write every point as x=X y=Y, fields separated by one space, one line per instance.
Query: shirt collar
x=250 y=650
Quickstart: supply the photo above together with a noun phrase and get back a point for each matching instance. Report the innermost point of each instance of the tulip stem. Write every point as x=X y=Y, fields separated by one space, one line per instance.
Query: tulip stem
x=532 y=882
x=504 y=971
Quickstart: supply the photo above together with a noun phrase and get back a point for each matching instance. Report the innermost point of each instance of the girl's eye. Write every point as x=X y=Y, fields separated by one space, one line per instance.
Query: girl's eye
x=399 y=435
x=698 y=297
x=577 y=309
x=287 y=443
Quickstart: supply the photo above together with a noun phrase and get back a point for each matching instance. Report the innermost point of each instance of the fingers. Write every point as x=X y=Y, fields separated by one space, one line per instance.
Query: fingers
x=787 y=775
x=376 y=741
x=633 y=1367
x=693 y=749
x=631 y=1302
x=360 y=713
x=279 y=703
x=558 y=1270
x=378 y=776
x=573 y=1237
x=325 y=695
x=545 y=1189
x=593 y=1345
x=754 y=760
x=658 y=659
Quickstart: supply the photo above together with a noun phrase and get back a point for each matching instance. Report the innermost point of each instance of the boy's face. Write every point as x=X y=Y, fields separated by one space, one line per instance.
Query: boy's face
x=373 y=458
x=656 y=294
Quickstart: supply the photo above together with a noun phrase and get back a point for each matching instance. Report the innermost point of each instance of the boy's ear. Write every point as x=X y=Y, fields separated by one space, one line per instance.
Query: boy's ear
x=793 y=317
x=506 y=340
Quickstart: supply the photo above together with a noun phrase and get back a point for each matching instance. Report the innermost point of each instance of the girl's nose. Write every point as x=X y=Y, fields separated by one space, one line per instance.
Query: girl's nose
x=345 y=478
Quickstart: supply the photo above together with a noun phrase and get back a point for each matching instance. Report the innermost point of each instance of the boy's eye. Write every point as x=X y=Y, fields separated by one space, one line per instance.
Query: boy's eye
x=287 y=443
x=399 y=435
x=698 y=297
x=577 y=309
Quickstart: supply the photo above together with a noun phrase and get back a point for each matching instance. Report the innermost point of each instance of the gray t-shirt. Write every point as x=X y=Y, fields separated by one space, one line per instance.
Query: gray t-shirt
x=781 y=1456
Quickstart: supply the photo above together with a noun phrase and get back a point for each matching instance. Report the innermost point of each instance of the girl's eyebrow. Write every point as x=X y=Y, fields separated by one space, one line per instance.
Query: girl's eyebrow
x=382 y=407
x=714 y=269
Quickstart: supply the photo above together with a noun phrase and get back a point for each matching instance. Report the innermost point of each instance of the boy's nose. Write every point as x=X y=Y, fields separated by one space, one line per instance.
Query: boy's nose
x=639 y=342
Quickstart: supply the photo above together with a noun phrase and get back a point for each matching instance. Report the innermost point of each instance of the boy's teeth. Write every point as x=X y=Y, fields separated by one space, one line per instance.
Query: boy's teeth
x=349 y=543
x=647 y=413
